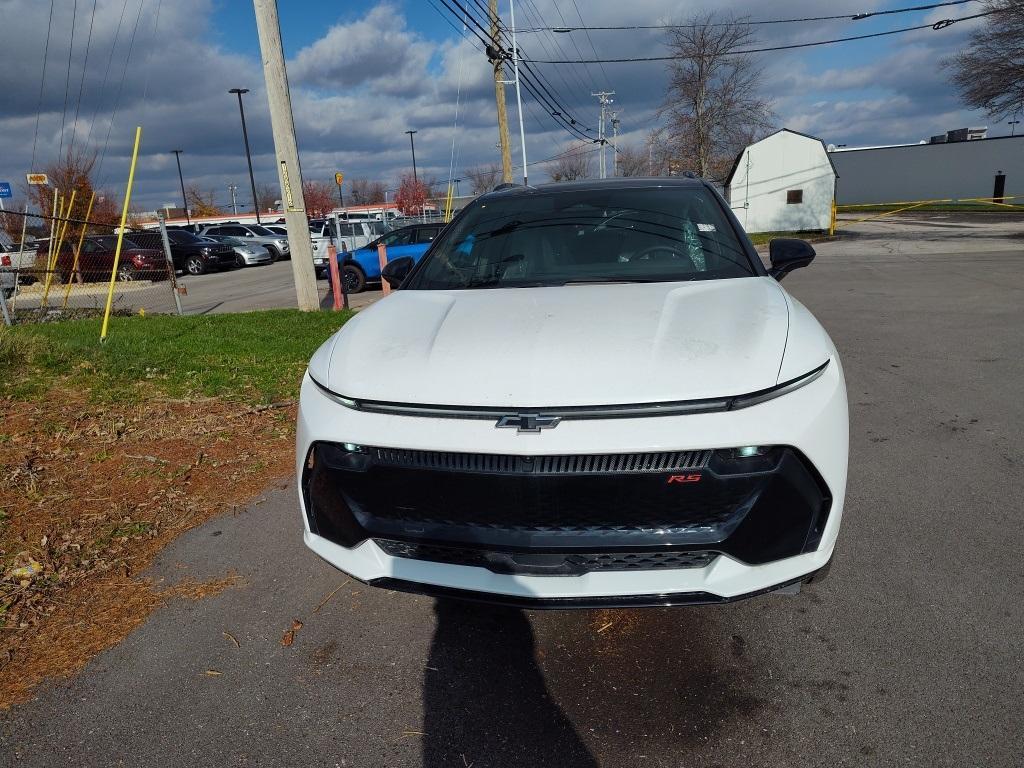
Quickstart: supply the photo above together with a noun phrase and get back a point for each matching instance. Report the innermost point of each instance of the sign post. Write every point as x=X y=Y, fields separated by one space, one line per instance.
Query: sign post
x=338 y=178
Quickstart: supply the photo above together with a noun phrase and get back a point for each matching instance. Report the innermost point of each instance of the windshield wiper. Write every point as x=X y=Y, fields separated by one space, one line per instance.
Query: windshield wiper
x=595 y=280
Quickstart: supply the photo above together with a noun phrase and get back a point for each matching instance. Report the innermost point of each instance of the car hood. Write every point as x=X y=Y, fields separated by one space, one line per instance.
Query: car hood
x=562 y=346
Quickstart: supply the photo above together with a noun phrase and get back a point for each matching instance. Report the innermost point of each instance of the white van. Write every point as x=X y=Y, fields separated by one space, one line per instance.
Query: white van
x=352 y=234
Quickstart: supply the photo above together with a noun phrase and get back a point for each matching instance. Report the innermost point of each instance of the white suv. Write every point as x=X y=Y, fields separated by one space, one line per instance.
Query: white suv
x=252 y=233
x=586 y=394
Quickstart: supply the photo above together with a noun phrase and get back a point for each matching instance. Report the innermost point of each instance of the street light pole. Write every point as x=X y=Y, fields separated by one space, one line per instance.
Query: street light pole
x=181 y=180
x=412 y=145
x=248 y=156
x=519 y=98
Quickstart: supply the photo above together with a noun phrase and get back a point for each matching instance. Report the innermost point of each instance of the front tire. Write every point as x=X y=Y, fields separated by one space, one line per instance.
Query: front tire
x=355 y=280
x=275 y=255
x=125 y=274
x=195 y=266
x=239 y=261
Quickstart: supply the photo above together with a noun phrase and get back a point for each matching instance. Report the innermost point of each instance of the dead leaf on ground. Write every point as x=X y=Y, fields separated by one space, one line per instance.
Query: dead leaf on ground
x=289 y=635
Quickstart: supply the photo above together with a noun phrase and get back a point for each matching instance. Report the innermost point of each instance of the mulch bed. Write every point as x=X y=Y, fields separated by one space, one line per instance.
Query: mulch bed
x=90 y=493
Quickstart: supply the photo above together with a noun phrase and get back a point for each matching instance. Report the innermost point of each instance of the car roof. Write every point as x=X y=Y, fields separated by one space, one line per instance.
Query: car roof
x=588 y=185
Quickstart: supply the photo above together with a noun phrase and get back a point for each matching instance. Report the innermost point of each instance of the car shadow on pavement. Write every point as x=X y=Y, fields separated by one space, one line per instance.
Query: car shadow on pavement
x=484 y=696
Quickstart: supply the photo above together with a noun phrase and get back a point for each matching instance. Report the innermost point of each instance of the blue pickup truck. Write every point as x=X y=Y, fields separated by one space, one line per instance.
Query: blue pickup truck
x=363 y=265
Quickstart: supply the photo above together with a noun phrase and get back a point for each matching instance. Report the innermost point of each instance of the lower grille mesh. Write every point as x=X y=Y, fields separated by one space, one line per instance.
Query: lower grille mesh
x=578 y=464
x=563 y=564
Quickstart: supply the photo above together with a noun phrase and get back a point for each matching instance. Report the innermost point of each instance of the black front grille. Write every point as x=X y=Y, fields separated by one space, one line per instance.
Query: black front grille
x=756 y=509
x=555 y=564
x=580 y=464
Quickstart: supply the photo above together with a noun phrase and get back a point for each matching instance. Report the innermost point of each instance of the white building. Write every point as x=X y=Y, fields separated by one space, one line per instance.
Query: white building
x=783 y=183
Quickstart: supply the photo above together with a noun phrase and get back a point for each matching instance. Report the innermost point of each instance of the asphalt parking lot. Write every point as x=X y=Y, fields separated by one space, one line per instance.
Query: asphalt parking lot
x=909 y=654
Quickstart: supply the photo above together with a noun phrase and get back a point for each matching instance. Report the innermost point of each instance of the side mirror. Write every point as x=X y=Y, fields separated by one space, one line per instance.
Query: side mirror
x=787 y=254
x=396 y=271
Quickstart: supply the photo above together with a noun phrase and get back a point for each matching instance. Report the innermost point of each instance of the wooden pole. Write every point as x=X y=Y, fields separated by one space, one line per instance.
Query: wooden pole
x=120 y=234
x=499 y=96
x=287 y=152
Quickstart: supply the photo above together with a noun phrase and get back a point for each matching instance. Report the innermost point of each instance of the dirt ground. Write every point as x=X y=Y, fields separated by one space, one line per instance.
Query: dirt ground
x=90 y=493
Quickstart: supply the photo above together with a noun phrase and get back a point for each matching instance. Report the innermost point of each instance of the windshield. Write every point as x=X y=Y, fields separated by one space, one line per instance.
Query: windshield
x=262 y=232
x=614 y=234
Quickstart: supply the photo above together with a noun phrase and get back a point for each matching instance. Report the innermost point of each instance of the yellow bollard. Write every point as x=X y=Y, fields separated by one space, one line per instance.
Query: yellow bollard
x=54 y=255
x=78 y=250
x=120 y=233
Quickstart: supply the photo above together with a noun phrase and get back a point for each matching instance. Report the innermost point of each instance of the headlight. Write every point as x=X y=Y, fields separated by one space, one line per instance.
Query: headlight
x=206 y=251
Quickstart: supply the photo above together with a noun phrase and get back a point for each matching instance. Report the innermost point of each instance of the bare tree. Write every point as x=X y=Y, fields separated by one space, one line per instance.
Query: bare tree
x=633 y=161
x=988 y=71
x=267 y=196
x=572 y=164
x=201 y=203
x=319 y=197
x=364 y=191
x=483 y=178
x=712 y=107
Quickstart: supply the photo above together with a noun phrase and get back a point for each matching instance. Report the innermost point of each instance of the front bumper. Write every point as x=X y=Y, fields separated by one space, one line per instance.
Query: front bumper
x=812 y=421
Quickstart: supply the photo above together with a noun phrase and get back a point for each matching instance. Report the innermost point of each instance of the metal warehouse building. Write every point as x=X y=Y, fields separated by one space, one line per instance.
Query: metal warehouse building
x=938 y=171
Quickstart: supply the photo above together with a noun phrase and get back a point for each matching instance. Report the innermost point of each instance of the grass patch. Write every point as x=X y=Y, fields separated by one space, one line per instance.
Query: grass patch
x=763 y=238
x=254 y=355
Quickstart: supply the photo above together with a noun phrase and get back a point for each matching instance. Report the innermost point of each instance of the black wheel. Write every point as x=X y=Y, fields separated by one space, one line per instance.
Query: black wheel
x=239 y=260
x=195 y=266
x=275 y=255
x=125 y=273
x=355 y=280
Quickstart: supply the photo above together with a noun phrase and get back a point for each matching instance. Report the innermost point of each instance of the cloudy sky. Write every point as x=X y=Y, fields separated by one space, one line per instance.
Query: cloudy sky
x=362 y=73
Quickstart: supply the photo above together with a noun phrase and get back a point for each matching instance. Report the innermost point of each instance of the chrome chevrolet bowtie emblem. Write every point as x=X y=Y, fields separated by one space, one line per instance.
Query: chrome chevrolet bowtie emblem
x=529 y=422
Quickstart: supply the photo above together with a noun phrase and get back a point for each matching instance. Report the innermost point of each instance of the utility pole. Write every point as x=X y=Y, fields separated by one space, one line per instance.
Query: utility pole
x=615 y=144
x=248 y=155
x=181 y=180
x=519 y=98
x=412 y=146
x=497 y=59
x=233 y=188
x=602 y=96
x=287 y=153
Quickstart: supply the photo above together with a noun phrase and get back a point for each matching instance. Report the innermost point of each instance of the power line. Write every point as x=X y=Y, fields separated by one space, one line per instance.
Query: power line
x=557 y=109
x=607 y=82
x=42 y=82
x=943 y=24
x=106 y=72
x=120 y=87
x=553 y=106
x=748 y=22
x=81 y=85
x=67 y=82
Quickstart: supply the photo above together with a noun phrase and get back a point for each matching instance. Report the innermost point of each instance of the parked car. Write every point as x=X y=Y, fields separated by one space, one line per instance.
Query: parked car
x=14 y=260
x=363 y=264
x=350 y=236
x=189 y=253
x=8 y=277
x=272 y=241
x=96 y=259
x=247 y=254
x=584 y=394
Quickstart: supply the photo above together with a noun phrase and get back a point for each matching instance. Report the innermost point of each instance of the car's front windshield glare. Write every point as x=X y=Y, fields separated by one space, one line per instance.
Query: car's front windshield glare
x=261 y=232
x=647 y=234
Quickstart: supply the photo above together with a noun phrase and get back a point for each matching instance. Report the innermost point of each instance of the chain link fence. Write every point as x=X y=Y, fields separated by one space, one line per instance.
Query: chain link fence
x=58 y=268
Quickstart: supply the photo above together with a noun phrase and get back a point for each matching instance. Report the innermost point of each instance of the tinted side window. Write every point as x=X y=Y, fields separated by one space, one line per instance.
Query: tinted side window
x=401 y=237
x=426 y=234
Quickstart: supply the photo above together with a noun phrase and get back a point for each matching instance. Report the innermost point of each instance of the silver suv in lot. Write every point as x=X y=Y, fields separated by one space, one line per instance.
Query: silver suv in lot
x=252 y=233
